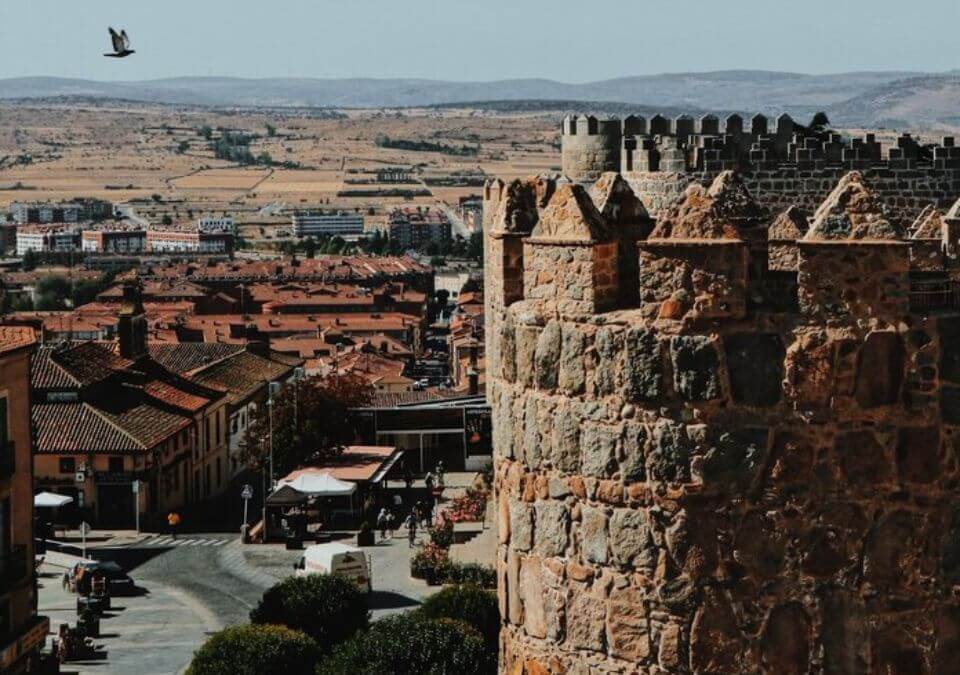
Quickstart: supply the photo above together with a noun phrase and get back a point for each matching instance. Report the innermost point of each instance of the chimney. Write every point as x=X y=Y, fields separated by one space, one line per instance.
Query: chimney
x=133 y=323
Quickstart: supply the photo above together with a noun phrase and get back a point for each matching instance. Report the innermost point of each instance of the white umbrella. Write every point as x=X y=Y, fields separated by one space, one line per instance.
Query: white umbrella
x=320 y=485
x=50 y=500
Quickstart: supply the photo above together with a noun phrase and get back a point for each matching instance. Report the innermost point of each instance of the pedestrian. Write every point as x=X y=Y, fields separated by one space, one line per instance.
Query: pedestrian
x=397 y=502
x=440 y=472
x=173 y=521
x=382 y=524
x=407 y=477
x=411 y=523
x=391 y=524
x=428 y=480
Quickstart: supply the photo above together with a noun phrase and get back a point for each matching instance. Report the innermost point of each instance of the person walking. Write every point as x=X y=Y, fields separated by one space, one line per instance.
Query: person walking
x=397 y=502
x=440 y=471
x=411 y=524
x=173 y=522
x=407 y=477
x=391 y=524
x=429 y=480
x=382 y=524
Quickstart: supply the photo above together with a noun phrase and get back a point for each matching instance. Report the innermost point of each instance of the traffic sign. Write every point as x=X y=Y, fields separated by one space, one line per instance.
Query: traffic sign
x=84 y=528
x=247 y=492
x=136 y=487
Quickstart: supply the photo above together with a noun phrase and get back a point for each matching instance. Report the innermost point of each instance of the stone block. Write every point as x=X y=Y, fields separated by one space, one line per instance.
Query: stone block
x=879 y=375
x=696 y=366
x=532 y=447
x=634 y=444
x=630 y=539
x=628 y=632
x=598 y=446
x=586 y=621
x=531 y=591
x=593 y=535
x=670 y=451
x=785 y=641
x=609 y=348
x=736 y=458
x=572 y=376
x=918 y=454
x=643 y=369
x=526 y=340
x=864 y=460
x=755 y=367
x=949 y=328
x=552 y=527
x=548 y=356
x=950 y=404
x=565 y=441
x=521 y=526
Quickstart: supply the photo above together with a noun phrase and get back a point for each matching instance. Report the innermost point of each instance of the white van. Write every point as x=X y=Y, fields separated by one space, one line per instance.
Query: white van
x=336 y=558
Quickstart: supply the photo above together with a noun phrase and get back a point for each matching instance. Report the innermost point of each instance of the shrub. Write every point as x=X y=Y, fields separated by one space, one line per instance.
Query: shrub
x=476 y=574
x=251 y=650
x=470 y=604
x=441 y=534
x=328 y=608
x=431 y=563
x=409 y=643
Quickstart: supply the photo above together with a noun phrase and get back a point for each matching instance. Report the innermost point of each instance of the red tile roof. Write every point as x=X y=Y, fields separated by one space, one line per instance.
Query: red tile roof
x=78 y=428
x=171 y=395
x=16 y=337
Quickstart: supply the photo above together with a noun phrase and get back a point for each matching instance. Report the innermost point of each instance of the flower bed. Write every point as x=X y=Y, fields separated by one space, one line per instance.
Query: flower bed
x=470 y=508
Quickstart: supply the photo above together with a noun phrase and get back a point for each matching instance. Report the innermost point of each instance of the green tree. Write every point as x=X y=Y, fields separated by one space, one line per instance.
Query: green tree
x=312 y=422
x=167 y=220
x=475 y=246
x=183 y=146
x=29 y=261
x=407 y=643
x=271 y=130
x=253 y=650
x=206 y=132
x=52 y=293
x=328 y=608
x=310 y=247
x=470 y=604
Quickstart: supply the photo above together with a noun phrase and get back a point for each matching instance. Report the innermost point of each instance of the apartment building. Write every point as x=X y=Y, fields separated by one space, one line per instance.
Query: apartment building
x=22 y=632
x=318 y=223
x=418 y=228
x=47 y=239
x=121 y=240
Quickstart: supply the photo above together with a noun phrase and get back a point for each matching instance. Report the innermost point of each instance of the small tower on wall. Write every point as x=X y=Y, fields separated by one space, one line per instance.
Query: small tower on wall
x=570 y=258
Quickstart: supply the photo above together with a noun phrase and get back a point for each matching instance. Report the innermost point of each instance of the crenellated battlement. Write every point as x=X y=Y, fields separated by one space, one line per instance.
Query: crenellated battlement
x=726 y=436
x=782 y=162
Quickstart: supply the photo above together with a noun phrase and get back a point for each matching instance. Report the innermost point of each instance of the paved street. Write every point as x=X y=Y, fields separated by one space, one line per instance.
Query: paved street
x=201 y=582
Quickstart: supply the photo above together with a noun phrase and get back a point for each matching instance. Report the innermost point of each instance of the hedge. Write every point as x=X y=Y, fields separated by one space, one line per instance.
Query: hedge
x=253 y=650
x=475 y=606
x=409 y=643
x=328 y=608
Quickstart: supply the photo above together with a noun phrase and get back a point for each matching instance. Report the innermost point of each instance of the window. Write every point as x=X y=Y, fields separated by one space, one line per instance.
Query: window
x=68 y=465
x=116 y=464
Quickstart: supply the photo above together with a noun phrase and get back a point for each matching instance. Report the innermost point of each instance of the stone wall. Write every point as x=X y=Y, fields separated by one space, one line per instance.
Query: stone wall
x=688 y=490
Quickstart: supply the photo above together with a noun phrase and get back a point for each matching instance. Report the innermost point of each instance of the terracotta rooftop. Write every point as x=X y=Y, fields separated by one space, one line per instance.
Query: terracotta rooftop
x=242 y=374
x=78 y=427
x=13 y=338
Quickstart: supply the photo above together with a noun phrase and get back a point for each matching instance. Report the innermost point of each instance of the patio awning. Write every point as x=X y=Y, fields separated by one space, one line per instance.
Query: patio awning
x=317 y=484
x=50 y=500
x=286 y=496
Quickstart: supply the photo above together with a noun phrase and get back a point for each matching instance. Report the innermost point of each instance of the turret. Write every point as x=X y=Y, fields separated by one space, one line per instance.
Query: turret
x=590 y=147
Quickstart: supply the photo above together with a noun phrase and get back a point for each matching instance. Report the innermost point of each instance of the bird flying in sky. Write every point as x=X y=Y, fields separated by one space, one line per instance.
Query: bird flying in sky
x=121 y=44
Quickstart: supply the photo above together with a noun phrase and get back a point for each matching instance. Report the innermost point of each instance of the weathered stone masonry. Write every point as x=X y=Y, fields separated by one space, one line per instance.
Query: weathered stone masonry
x=727 y=440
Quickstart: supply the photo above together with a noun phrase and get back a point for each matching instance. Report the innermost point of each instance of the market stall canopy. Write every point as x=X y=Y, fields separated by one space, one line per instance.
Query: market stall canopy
x=317 y=484
x=50 y=500
x=286 y=496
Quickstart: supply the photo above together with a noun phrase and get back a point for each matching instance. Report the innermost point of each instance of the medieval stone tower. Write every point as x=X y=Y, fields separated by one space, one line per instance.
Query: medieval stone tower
x=727 y=437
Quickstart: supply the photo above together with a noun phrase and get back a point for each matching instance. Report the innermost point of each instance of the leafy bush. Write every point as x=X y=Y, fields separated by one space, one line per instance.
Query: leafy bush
x=328 y=608
x=476 y=574
x=251 y=650
x=409 y=643
x=431 y=563
x=470 y=604
x=441 y=534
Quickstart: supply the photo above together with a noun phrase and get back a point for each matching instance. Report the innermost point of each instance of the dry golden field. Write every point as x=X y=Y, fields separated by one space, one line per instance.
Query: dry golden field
x=156 y=157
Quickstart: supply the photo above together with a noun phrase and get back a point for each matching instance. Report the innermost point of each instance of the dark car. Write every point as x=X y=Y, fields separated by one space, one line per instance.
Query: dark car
x=119 y=581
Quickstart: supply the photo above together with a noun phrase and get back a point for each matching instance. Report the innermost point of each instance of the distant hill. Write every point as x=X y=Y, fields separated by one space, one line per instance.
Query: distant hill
x=853 y=98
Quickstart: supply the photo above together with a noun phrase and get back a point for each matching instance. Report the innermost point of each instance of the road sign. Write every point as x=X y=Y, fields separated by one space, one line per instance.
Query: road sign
x=84 y=528
x=136 y=487
x=84 y=531
x=79 y=477
x=247 y=492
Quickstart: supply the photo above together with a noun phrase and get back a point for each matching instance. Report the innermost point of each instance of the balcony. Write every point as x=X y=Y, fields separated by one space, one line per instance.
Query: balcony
x=13 y=569
x=8 y=459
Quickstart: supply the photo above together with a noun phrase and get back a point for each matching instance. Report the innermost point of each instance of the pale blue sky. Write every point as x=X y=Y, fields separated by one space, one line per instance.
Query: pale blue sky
x=565 y=40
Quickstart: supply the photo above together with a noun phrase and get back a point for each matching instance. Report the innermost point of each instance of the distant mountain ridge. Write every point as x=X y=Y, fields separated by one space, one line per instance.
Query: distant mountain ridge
x=864 y=98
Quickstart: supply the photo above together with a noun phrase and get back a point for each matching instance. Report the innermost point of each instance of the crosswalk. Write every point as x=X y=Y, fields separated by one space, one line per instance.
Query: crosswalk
x=162 y=541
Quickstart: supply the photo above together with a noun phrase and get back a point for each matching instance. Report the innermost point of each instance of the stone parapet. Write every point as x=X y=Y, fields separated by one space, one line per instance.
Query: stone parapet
x=695 y=479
